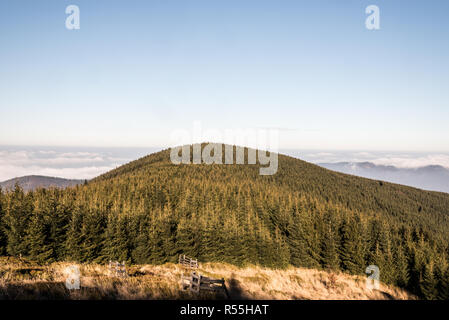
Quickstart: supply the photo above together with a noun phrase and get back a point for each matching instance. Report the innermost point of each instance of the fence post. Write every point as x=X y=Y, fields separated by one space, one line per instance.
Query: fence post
x=225 y=289
x=195 y=283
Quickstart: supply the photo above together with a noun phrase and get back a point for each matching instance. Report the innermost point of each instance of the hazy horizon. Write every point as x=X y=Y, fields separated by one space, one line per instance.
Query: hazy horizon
x=89 y=162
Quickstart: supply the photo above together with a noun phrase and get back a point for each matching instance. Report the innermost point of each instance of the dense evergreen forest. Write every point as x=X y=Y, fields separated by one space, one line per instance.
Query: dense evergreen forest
x=151 y=210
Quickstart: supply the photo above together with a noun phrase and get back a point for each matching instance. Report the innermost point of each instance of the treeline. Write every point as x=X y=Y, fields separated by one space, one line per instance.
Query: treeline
x=151 y=211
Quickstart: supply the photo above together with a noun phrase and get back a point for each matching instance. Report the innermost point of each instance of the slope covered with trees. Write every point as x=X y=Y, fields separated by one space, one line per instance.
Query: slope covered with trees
x=151 y=210
x=28 y=183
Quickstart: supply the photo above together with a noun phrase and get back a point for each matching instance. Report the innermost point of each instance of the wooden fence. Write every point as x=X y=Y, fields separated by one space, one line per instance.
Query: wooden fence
x=188 y=262
x=117 y=269
x=196 y=283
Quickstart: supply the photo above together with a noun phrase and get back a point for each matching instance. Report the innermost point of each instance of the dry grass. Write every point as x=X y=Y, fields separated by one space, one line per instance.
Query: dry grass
x=21 y=279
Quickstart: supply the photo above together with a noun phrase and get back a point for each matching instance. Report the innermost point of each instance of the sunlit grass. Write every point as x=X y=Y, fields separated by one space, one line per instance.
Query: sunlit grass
x=21 y=279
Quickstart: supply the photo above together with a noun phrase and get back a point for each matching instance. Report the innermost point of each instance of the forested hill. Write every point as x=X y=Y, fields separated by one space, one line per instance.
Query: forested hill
x=150 y=210
x=295 y=178
x=28 y=183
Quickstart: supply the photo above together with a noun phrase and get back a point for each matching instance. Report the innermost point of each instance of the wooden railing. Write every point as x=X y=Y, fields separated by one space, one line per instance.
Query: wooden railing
x=196 y=283
x=117 y=269
x=188 y=262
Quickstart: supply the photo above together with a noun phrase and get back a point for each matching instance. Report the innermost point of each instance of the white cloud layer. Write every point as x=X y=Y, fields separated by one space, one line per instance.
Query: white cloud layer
x=71 y=165
x=86 y=164
x=410 y=162
x=399 y=160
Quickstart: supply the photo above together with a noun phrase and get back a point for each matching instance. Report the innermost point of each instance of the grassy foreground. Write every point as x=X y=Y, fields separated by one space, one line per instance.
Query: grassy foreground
x=22 y=279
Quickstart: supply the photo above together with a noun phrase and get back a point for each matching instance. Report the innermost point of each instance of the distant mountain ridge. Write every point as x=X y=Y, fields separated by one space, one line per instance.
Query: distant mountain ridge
x=33 y=182
x=431 y=177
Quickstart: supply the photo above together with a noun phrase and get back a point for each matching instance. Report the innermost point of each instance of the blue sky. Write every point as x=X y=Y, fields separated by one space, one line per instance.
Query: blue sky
x=137 y=70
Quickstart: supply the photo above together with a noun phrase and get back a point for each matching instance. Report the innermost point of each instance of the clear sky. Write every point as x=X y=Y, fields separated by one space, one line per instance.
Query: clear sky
x=137 y=70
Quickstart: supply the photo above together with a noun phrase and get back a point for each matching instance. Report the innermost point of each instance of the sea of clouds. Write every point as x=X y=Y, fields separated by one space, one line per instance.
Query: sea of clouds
x=411 y=160
x=69 y=163
x=87 y=163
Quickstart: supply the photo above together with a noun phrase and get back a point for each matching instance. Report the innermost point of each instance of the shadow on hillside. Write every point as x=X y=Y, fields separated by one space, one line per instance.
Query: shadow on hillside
x=28 y=270
x=235 y=290
x=34 y=291
x=387 y=295
x=52 y=290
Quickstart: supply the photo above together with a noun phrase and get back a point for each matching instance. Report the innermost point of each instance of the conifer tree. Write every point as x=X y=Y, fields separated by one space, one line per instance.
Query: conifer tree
x=380 y=251
x=3 y=239
x=304 y=242
x=329 y=254
x=233 y=246
x=444 y=293
x=265 y=250
x=416 y=267
x=440 y=268
x=402 y=267
x=59 y=221
x=295 y=241
x=428 y=284
x=209 y=232
x=117 y=243
x=16 y=220
x=40 y=247
x=281 y=257
x=254 y=241
x=75 y=237
x=162 y=238
x=141 y=250
x=186 y=238
x=92 y=233
x=351 y=248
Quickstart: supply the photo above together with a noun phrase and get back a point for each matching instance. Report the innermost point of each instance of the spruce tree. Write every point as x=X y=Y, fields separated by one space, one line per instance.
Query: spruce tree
x=3 y=239
x=16 y=219
x=416 y=267
x=402 y=267
x=141 y=249
x=92 y=232
x=351 y=247
x=281 y=257
x=186 y=239
x=40 y=247
x=59 y=215
x=265 y=253
x=329 y=255
x=444 y=293
x=440 y=268
x=75 y=239
x=428 y=283
x=304 y=242
x=295 y=241
x=117 y=242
